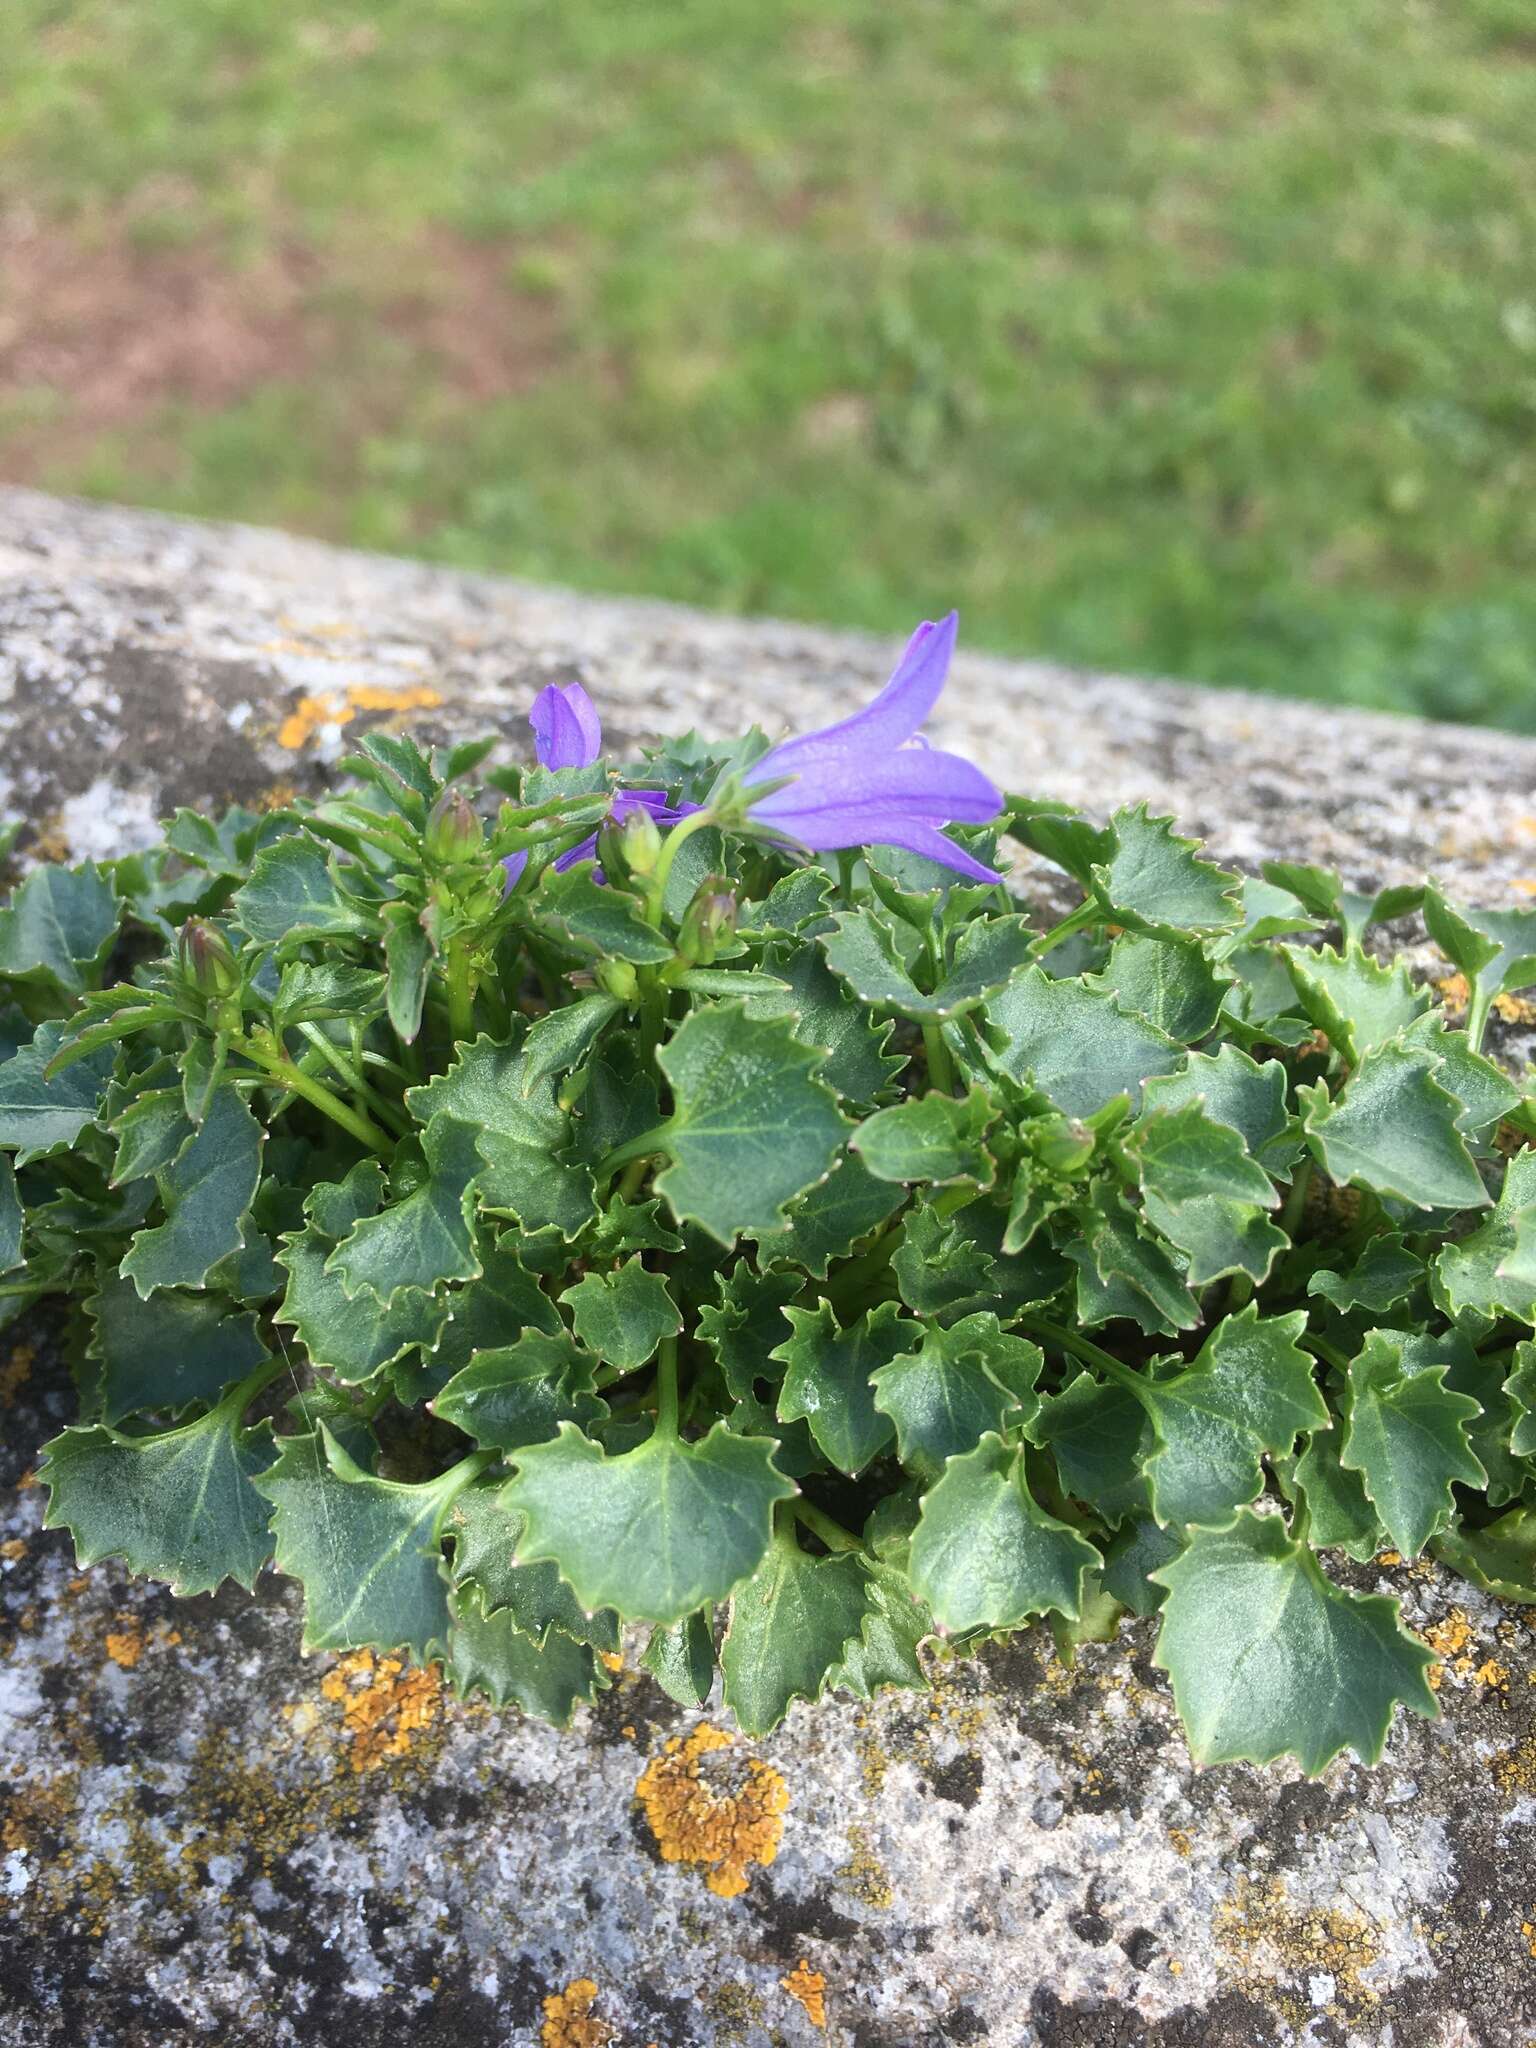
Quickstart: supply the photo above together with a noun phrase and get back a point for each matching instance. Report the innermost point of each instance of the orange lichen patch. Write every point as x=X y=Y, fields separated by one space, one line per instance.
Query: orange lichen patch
x=1455 y=991
x=125 y=1646
x=1388 y=1558
x=1514 y=1771
x=12 y=1549
x=729 y=1827
x=610 y=1660
x=28 y=1480
x=384 y=1704
x=1276 y=1945
x=1515 y=1009
x=15 y=1372
x=310 y=713
x=568 y=2018
x=864 y=1874
x=809 y=1988
x=1182 y=1840
x=1528 y=1934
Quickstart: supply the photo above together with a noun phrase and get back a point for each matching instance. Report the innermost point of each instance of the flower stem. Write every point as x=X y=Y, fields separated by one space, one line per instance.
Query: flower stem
x=1296 y=1201
x=461 y=992
x=642 y=1148
x=264 y=1052
x=833 y=1534
x=385 y=1111
x=666 y=1388
x=941 y=1068
x=1089 y=911
x=1479 y=1003
x=656 y=881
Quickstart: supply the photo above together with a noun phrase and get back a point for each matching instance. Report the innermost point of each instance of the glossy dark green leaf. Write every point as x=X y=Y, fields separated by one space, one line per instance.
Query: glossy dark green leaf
x=884 y=1655
x=933 y=1137
x=1205 y=1193
x=1354 y=1000
x=829 y=1220
x=562 y=1038
x=1490 y=1273
x=953 y=1387
x=1167 y=980
x=522 y=1392
x=1234 y=1089
x=1406 y=1436
x=59 y=928
x=827 y=1378
x=1155 y=882
x=1392 y=1129
x=1521 y=1389
x=746 y=1323
x=1125 y=1272
x=39 y=1116
x=522 y=1138
x=485 y=1533
x=1139 y=1548
x=205 y=1191
x=985 y=1555
x=292 y=897
x=599 y=920
x=681 y=1659
x=168 y=1351
x=1385 y=1273
x=877 y=961
x=1101 y=1436
x=1501 y=1557
x=427 y=1236
x=622 y=1316
x=408 y=969
x=858 y=1063
x=488 y=1653
x=1483 y=1090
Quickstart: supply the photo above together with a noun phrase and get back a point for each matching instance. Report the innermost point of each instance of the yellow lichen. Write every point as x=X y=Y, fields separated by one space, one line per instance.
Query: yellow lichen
x=864 y=1874
x=384 y=1704
x=125 y=1645
x=1182 y=1840
x=569 y=2020
x=727 y=1827
x=1514 y=1771
x=15 y=1372
x=809 y=1988
x=1455 y=991
x=12 y=1549
x=311 y=713
x=1277 y=1946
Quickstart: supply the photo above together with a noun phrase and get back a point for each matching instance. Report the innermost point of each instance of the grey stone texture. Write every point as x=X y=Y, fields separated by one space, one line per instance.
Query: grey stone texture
x=206 y=1837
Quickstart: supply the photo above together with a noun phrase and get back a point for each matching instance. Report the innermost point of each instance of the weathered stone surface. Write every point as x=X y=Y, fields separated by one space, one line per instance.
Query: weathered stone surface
x=205 y=1837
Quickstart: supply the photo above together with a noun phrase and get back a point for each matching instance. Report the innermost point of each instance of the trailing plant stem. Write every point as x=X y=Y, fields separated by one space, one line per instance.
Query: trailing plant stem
x=833 y=1534
x=666 y=1388
x=318 y=1096
x=941 y=1068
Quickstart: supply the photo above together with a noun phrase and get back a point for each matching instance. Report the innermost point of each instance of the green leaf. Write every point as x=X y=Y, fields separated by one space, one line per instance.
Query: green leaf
x=1500 y=1558
x=1249 y=1390
x=205 y=1191
x=584 y=914
x=1204 y=1192
x=1077 y=1046
x=1100 y=1435
x=1385 y=1273
x=408 y=960
x=874 y=958
x=623 y=1316
x=521 y=1393
x=40 y=1116
x=427 y=1237
x=1352 y=999
x=1124 y=1272
x=150 y=1132
x=1168 y=981
x=933 y=1137
x=1521 y=1388
x=1059 y=834
x=485 y=1533
x=1323 y=893
x=488 y=1653
x=1484 y=1091
x=752 y=1128
x=523 y=1138
x=1233 y=1089
x=1268 y=1658
x=180 y=1506
x=1140 y=1548
x=1340 y=1513
x=828 y=1378
x=1489 y=1273
x=1154 y=881
x=656 y=1531
x=790 y=1626
x=310 y=992
x=826 y=1223
x=11 y=1218
x=1405 y=1434
x=562 y=1039
x=59 y=928
x=292 y=897
x=1494 y=949
x=958 y=1384
x=885 y=1652
x=681 y=1659
x=351 y=1336
x=985 y=1555
x=1392 y=1129
x=747 y=1323
x=168 y=1351
x=857 y=1063
x=366 y=1550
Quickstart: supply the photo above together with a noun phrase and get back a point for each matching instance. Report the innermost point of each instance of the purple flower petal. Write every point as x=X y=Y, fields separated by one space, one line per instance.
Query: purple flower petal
x=567 y=732
x=893 y=717
x=916 y=782
x=513 y=865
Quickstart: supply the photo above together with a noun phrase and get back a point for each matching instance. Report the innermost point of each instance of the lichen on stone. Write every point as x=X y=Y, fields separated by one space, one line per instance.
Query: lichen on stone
x=697 y=1819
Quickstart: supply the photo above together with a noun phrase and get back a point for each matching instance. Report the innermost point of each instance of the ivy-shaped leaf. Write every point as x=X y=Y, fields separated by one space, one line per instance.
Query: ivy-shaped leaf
x=425 y=1238
x=40 y=1116
x=485 y=1533
x=752 y=1127
x=1100 y=1435
x=623 y=1316
x=292 y=897
x=876 y=961
x=885 y=1653
x=958 y=1384
x=933 y=1137
x=521 y=1393
x=179 y=1506
x=1406 y=1436
x=1077 y=1046
x=59 y=928
x=826 y=1223
x=1521 y=1389
x=791 y=1625
x=1494 y=949
x=1488 y=1274
x=985 y=1555
x=1153 y=881
x=352 y=1336
x=1385 y=1273
x=828 y=1378
x=656 y=1531
x=206 y=1190
x=1483 y=1090
x=1122 y=1271
x=168 y=1351
x=1500 y=1558
x=1340 y=1515
x=858 y=1064
x=1233 y=1089
x=522 y=1138
x=1168 y=981
x=488 y=1653
x=681 y=1659
x=1268 y=1658
x=747 y=1323
x=1322 y=891
x=561 y=1040
x=1204 y=1192
x=1392 y=1129
x=599 y=920
x=1352 y=999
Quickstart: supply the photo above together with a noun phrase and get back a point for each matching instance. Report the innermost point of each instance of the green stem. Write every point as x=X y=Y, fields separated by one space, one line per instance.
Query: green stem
x=941 y=1068
x=833 y=1534
x=461 y=992
x=385 y=1111
x=1479 y=1003
x=656 y=881
x=634 y=1175
x=1296 y=1200
x=1329 y=1353
x=239 y=1398
x=1089 y=911
x=1072 y=1340
x=266 y=1056
x=643 y=1147
x=666 y=1388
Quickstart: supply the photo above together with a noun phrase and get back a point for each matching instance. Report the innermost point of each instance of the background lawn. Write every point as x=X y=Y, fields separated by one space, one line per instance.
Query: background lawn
x=1174 y=335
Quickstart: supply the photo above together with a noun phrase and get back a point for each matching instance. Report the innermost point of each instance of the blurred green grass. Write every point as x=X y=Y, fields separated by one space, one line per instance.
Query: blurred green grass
x=1159 y=335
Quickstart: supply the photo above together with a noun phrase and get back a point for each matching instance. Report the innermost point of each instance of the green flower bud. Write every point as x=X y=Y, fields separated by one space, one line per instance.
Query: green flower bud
x=1061 y=1143
x=454 y=829
x=617 y=978
x=637 y=839
x=709 y=924
x=206 y=959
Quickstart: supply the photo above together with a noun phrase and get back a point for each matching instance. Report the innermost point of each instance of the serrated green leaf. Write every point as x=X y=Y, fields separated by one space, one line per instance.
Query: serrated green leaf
x=1079 y=1047
x=1059 y=834
x=681 y=1659
x=521 y=1393
x=292 y=897
x=858 y=1064
x=1521 y=1389
x=1486 y=1274
x=485 y=1533
x=522 y=1138
x=827 y=1378
x=408 y=969
x=884 y=1655
x=795 y=901
x=1124 y=1272
x=622 y=1316
x=39 y=1116
x=747 y=1323
x=563 y=1038
x=1234 y=1089
x=425 y=1238
x=351 y=1336
x=1249 y=1390
x=1100 y=1435
x=1340 y=1514
x=606 y=921
x=1495 y=949
x=1392 y=1129
x=205 y=1191
x=1155 y=882
x=1268 y=1658
x=958 y=1384
x=1323 y=892
x=826 y=1223
x=168 y=1351
x=59 y=928
x=656 y=1531
x=1484 y=1092
x=1204 y=1192
x=488 y=1653
x=1500 y=1558
x=752 y=1127
x=150 y=1132
x=11 y=1217
x=1167 y=980
x=1353 y=1000
x=933 y=1137
x=1140 y=1547
x=312 y=991
x=874 y=959
x=985 y=1555
x=790 y=1626
x=179 y=1506
x=1405 y=1434
x=366 y=1550
x=1385 y=1273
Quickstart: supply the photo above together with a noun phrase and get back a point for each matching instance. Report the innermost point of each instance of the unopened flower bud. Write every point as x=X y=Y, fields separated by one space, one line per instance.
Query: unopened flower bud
x=1061 y=1143
x=709 y=923
x=637 y=834
x=454 y=830
x=617 y=978
x=206 y=959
